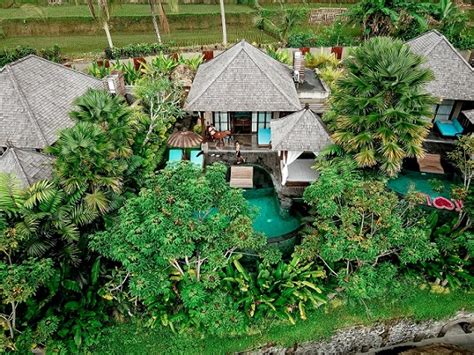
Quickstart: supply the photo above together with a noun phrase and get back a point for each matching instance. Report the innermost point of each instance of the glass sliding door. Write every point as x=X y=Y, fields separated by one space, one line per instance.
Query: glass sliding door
x=221 y=121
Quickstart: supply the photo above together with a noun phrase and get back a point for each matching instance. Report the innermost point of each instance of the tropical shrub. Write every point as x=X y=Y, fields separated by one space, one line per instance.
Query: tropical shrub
x=137 y=50
x=11 y=55
x=360 y=231
x=282 y=289
x=279 y=54
x=451 y=269
x=321 y=60
x=379 y=108
x=195 y=223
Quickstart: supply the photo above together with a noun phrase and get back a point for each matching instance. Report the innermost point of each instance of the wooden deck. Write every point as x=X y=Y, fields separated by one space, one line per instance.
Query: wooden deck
x=248 y=144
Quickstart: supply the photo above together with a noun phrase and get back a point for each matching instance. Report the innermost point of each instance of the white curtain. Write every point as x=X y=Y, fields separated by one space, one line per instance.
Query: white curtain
x=288 y=158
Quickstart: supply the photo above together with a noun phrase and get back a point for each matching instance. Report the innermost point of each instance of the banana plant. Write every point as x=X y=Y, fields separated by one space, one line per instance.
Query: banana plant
x=282 y=290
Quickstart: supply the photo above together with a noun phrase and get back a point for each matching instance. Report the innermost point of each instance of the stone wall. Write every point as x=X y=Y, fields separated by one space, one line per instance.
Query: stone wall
x=365 y=339
x=325 y=15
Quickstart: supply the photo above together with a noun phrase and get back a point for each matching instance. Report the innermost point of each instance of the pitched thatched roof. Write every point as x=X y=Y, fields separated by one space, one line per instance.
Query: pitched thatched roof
x=36 y=96
x=454 y=77
x=243 y=78
x=302 y=131
x=27 y=165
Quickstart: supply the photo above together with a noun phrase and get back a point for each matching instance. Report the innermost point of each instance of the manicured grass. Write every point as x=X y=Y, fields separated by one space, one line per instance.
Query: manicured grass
x=119 y=10
x=74 y=45
x=417 y=304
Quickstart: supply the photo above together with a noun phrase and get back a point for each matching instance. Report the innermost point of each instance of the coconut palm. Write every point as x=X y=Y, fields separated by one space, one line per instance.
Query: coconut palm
x=102 y=15
x=163 y=18
x=379 y=108
x=224 y=28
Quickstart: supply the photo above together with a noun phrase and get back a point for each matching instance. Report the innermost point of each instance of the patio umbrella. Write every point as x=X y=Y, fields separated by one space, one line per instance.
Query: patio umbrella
x=184 y=139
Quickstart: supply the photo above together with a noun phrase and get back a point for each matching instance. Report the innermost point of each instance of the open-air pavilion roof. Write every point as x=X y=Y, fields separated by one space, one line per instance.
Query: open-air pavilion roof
x=302 y=131
x=243 y=78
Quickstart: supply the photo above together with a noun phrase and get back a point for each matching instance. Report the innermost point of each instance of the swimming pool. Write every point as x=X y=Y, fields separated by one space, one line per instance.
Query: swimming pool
x=268 y=219
x=421 y=182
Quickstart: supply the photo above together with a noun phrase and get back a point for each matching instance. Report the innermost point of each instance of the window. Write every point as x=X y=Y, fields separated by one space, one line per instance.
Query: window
x=264 y=119
x=442 y=112
x=221 y=121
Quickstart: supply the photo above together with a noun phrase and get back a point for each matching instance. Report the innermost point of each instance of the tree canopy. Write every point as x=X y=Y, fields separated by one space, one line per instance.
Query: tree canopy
x=358 y=225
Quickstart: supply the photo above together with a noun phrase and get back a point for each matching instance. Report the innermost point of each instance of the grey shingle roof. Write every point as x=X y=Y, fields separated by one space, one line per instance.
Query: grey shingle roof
x=36 y=96
x=454 y=77
x=243 y=78
x=300 y=131
x=27 y=165
x=469 y=114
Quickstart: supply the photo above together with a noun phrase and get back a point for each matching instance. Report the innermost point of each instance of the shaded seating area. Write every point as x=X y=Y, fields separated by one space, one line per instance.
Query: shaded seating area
x=431 y=163
x=241 y=176
x=451 y=128
x=264 y=136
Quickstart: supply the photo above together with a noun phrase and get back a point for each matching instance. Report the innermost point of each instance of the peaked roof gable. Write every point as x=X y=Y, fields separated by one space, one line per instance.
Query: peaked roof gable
x=28 y=166
x=243 y=78
x=454 y=76
x=36 y=96
x=302 y=131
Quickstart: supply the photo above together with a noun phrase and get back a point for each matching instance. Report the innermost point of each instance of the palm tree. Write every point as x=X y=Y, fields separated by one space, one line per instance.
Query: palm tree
x=102 y=15
x=163 y=18
x=379 y=108
x=224 y=28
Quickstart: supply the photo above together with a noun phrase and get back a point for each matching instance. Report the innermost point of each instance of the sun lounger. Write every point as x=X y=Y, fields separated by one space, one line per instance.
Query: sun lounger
x=264 y=136
x=175 y=155
x=431 y=163
x=241 y=176
x=449 y=128
x=195 y=159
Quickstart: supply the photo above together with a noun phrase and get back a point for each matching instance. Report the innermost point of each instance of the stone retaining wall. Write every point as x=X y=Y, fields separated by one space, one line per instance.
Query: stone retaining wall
x=363 y=339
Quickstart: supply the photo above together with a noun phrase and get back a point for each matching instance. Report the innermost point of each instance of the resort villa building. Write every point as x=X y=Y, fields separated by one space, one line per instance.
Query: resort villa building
x=36 y=96
x=453 y=86
x=265 y=106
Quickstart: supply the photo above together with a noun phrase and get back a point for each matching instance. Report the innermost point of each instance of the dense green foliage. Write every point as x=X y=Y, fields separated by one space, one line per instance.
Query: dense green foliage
x=406 y=19
x=361 y=231
x=379 y=108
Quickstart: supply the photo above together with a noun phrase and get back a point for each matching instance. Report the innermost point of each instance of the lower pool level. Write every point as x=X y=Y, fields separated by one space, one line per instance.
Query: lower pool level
x=433 y=185
x=268 y=219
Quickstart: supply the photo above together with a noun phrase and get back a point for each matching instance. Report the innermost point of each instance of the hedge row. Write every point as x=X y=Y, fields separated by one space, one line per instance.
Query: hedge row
x=11 y=55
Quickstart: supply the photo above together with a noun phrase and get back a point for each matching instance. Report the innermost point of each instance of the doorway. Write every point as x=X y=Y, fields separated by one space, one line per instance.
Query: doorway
x=241 y=122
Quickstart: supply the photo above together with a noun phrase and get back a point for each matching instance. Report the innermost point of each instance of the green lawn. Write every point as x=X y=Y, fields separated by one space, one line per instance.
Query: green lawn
x=119 y=10
x=416 y=304
x=74 y=45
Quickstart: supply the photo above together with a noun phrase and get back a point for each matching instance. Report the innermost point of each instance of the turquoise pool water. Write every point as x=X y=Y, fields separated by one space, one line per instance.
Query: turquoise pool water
x=268 y=219
x=421 y=182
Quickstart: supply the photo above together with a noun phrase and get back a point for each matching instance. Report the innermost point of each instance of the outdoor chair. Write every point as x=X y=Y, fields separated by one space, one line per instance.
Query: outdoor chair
x=449 y=128
x=431 y=163
x=264 y=136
